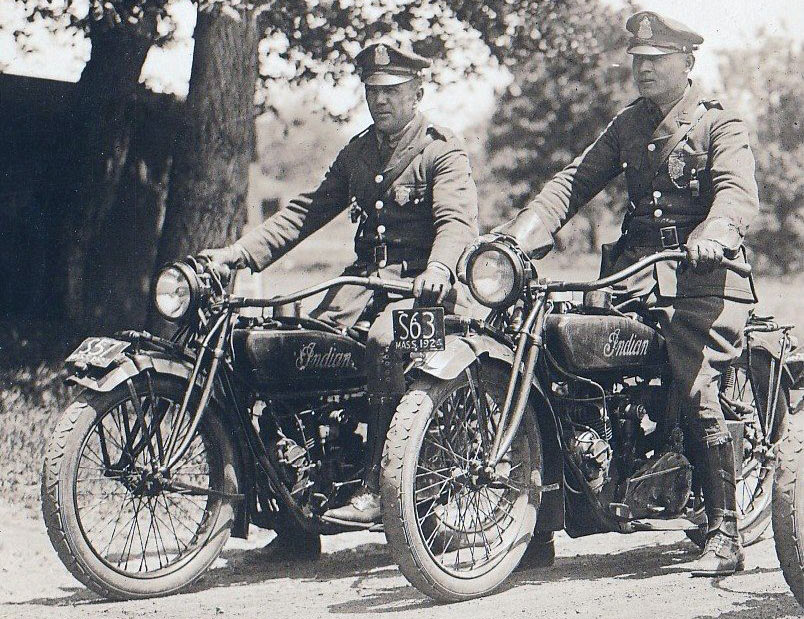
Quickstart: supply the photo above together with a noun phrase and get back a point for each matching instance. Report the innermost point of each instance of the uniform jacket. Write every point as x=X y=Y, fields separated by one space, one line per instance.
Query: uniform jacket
x=694 y=171
x=429 y=213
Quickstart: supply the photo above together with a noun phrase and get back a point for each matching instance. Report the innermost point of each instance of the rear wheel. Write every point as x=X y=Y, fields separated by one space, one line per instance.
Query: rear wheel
x=455 y=532
x=122 y=528
x=788 y=505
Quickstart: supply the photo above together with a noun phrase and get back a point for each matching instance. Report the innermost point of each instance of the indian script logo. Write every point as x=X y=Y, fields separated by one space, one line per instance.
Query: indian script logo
x=308 y=358
x=632 y=347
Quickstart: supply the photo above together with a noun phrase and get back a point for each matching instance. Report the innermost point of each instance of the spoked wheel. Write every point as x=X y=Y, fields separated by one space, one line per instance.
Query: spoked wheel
x=455 y=530
x=760 y=433
x=122 y=526
x=788 y=505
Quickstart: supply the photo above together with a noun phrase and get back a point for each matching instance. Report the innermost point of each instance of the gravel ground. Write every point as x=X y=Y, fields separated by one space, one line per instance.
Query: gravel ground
x=612 y=576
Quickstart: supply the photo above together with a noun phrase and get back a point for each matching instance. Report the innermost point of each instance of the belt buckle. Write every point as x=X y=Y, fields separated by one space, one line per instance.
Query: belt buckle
x=669 y=236
x=381 y=255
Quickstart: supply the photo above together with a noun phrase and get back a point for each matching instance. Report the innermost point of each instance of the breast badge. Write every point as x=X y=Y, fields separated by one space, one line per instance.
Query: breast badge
x=402 y=194
x=675 y=167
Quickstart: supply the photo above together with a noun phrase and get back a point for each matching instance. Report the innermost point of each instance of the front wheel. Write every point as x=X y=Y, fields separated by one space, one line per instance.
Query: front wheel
x=456 y=532
x=788 y=505
x=121 y=526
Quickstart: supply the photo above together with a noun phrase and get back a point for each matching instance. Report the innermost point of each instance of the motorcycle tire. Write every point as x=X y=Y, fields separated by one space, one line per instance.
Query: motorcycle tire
x=424 y=525
x=755 y=490
x=788 y=504
x=99 y=431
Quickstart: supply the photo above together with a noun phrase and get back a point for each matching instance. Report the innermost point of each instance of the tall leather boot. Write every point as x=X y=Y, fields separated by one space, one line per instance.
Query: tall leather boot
x=723 y=554
x=364 y=506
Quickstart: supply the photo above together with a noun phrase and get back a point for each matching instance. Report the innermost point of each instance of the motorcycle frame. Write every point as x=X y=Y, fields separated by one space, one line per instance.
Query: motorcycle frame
x=211 y=353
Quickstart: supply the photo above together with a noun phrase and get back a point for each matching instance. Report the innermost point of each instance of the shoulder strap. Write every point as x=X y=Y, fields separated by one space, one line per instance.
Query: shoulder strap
x=677 y=136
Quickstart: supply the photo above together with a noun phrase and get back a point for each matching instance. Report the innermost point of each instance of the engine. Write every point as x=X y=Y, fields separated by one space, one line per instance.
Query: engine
x=621 y=447
x=318 y=449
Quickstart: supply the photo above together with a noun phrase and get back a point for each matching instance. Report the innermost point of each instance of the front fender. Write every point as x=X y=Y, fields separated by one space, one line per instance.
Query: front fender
x=128 y=366
x=460 y=351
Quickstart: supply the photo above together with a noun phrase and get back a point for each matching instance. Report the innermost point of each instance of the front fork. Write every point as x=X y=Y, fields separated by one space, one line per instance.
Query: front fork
x=516 y=398
x=179 y=441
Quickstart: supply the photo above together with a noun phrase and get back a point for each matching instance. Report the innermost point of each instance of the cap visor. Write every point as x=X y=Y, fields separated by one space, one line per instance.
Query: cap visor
x=650 y=50
x=386 y=79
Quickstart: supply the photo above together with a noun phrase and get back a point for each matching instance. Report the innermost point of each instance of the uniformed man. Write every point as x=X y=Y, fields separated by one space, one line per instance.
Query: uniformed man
x=409 y=188
x=690 y=177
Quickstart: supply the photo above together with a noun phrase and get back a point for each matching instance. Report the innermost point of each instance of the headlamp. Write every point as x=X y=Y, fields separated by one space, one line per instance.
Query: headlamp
x=495 y=273
x=176 y=291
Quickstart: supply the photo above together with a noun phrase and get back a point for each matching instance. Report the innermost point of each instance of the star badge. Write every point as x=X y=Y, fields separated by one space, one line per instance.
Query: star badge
x=645 y=31
x=381 y=56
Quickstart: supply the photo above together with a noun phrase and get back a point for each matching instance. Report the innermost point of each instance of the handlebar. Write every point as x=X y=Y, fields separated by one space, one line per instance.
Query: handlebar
x=742 y=269
x=372 y=282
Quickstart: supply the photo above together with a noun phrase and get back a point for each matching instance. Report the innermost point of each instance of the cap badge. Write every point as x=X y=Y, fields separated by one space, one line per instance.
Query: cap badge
x=645 y=31
x=381 y=56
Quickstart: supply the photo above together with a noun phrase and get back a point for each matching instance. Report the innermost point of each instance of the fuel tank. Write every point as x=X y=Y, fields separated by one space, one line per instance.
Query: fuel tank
x=298 y=360
x=591 y=344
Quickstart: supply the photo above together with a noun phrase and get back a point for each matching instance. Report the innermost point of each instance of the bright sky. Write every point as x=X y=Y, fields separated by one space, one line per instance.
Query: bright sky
x=722 y=23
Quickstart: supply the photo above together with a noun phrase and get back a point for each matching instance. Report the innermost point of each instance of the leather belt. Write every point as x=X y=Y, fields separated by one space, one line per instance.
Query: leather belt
x=658 y=237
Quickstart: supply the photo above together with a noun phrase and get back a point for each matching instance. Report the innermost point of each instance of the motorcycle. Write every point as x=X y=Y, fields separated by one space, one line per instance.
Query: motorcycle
x=174 y=444
x=788 y=486
x=550 y=414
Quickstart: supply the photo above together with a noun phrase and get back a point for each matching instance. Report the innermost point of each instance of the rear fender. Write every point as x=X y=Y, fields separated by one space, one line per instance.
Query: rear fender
x=129 y=366
x=463 y=350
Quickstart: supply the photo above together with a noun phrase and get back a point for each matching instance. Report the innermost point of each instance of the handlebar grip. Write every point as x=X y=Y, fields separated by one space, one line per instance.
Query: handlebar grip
x=743 y=269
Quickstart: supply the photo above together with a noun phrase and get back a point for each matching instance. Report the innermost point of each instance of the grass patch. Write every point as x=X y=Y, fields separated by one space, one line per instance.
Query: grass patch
x=31 y=399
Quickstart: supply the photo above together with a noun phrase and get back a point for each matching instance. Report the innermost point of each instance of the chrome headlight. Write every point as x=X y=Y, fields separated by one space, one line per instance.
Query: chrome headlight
x=495 y=273
x=176 y=291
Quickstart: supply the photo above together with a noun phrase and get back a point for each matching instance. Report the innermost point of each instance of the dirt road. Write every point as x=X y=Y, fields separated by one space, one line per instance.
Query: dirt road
x=612 y=576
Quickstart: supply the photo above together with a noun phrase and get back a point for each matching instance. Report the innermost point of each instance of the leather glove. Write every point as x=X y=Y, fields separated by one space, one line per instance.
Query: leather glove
x=431 y=286
x=223 y=260
x=461 y=267
x=704 y=255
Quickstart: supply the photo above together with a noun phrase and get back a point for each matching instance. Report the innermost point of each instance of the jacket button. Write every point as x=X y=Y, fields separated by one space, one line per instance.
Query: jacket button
x=625 y=164
x=657 y=194
x=651 y=147
x=380 y=229
x=658 y=213
x=378 y=178
x=378 y=204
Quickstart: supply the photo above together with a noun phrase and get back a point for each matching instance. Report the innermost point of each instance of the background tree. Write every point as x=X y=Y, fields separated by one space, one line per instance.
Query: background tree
x=555 y=107
x=771 y=95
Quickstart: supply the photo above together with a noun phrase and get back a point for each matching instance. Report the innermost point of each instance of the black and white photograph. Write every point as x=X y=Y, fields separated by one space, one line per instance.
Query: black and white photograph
x=401 y=308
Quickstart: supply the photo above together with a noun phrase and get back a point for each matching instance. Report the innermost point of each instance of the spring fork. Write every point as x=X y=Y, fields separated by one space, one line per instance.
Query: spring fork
x=530 y=340
x=173 y=454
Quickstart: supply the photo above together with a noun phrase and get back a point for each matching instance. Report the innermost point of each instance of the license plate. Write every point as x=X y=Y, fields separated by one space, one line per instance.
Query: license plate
x=419 y=330
x=97 y=351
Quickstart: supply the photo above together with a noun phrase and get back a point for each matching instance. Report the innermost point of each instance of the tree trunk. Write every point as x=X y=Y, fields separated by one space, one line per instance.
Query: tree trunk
x=206 y=204
x=97 y=159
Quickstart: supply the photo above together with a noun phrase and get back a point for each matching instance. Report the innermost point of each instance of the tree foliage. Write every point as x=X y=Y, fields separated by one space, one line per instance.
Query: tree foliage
x=768 y=84
x=555 y=107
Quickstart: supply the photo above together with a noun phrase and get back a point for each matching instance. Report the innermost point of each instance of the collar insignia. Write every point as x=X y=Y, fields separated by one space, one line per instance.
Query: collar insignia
x=645 y=31
x=381 y=56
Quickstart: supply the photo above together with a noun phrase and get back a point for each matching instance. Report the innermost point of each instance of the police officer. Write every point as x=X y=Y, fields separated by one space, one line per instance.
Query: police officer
x=690 y=177
x=409 y=188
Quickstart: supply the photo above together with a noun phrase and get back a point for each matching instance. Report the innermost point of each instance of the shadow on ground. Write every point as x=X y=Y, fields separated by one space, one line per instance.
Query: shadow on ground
x=369 y=563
